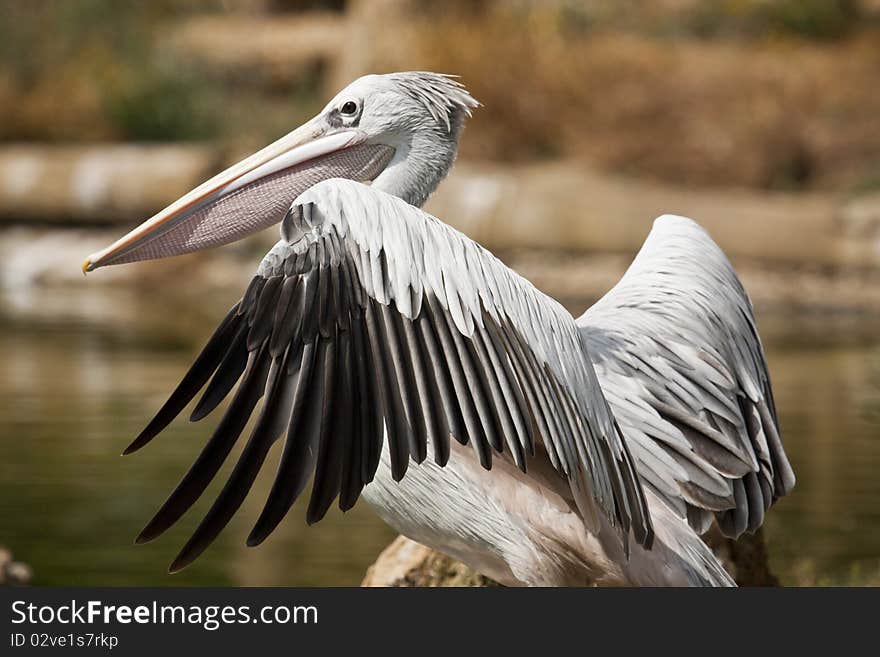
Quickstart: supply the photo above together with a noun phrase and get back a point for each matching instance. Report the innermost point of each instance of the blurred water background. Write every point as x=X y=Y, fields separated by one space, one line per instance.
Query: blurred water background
x=760 y=118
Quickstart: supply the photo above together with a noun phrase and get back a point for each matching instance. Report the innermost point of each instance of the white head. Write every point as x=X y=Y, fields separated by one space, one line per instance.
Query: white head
x=399 y=131
x=419 y=115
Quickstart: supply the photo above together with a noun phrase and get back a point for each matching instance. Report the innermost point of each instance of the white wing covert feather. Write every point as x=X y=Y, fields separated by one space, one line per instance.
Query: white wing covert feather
x=678 y=356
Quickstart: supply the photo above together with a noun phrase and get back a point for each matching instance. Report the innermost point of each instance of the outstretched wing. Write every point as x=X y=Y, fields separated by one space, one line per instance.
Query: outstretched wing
x=372 y=320
x=679 y=359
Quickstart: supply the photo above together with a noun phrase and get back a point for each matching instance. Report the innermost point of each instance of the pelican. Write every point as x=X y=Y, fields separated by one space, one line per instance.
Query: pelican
x=400 y=360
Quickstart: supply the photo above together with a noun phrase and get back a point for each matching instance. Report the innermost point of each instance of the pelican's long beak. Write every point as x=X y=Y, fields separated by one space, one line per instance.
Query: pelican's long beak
x=249 y=196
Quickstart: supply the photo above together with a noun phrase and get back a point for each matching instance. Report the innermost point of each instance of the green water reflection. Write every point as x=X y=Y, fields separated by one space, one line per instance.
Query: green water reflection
x=77 y=384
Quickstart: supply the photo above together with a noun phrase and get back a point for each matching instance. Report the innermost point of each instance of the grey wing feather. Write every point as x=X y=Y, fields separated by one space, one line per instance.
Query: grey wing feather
x=369 y=321
x=678 y=356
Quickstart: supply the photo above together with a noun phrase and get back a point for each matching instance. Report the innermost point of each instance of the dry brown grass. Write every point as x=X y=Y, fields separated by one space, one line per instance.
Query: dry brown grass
x=777 y=113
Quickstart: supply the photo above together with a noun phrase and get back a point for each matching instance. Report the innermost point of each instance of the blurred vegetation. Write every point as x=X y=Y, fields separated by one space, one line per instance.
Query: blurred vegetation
x=810 y=19
x=163 y=103
x=94 y=69
x=773 y=94
x=805 y=573
x=733 y=19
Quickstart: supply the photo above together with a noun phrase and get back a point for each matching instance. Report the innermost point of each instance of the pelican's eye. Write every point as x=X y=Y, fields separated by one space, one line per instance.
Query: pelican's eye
x=349 y=108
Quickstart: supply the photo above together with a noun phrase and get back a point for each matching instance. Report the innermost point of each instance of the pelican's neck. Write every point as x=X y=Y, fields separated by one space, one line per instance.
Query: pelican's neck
x=420 y=162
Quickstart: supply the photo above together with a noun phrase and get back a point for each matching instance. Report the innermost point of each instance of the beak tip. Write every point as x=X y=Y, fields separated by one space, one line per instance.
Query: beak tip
x=87 y=265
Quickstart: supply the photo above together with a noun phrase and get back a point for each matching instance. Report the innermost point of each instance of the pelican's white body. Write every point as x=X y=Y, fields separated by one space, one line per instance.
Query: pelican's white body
x=520 y=530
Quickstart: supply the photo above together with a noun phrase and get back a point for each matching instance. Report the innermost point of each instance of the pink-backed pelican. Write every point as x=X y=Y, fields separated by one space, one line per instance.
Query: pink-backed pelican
x=401 y=361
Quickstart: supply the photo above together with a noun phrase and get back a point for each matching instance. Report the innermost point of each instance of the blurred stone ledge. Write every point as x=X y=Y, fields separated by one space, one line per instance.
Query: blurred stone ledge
x=75 y=185
x=556 y=206
x=279 y=50
x=565 y=205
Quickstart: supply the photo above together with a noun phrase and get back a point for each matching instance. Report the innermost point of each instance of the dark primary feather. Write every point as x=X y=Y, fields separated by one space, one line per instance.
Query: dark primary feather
x=215 y=451
x=228 y=373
